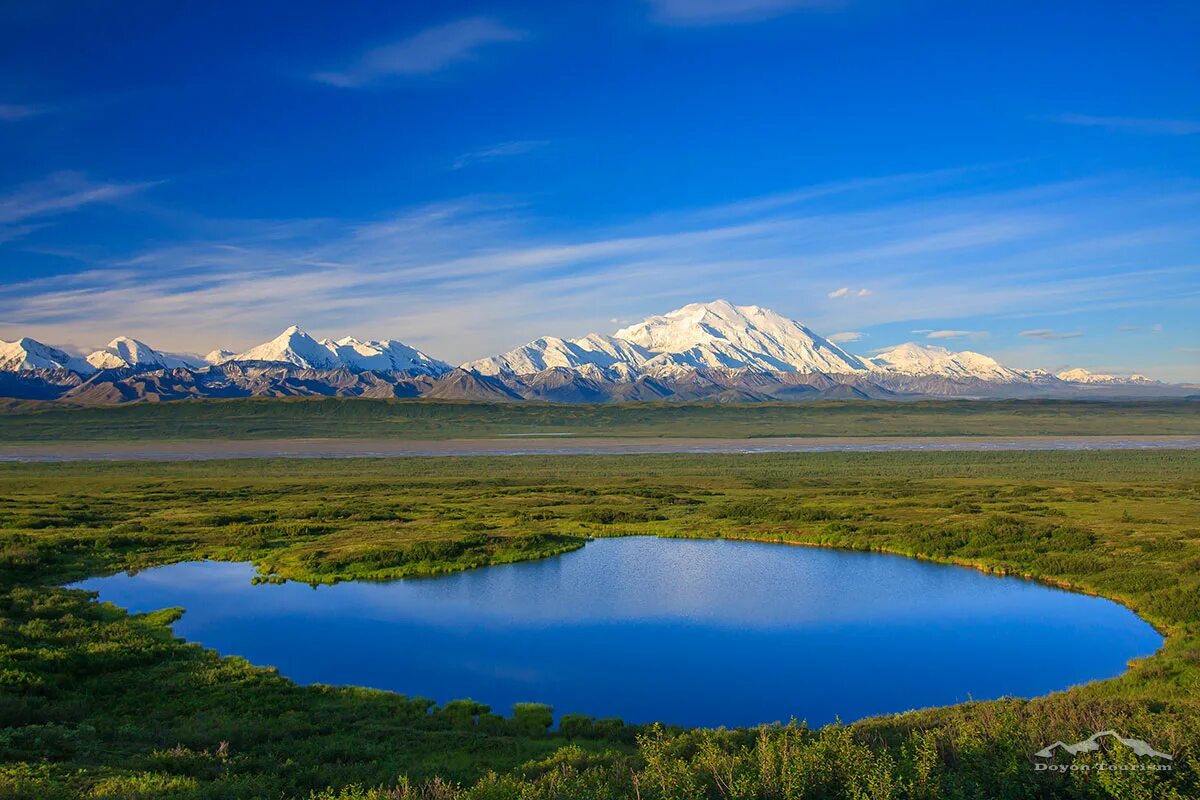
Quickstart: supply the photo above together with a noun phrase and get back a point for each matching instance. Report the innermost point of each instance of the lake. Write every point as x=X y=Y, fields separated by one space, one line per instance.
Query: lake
x=688 y=632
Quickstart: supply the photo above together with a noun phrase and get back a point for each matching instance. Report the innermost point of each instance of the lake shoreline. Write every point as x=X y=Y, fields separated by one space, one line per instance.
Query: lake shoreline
x=711 y=603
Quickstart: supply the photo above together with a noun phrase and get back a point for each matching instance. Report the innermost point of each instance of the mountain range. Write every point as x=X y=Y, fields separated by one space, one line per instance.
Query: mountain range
x=702 y=351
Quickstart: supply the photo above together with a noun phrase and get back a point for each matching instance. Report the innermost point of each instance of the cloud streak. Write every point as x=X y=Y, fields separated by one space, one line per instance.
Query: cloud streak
x=424 y=53
x=495 y=151
x=846 y=291
x=722 y=12
x=1049 y=334
x=31 y=204
x=491 y=267
x=14 y=112
x=1143 y=125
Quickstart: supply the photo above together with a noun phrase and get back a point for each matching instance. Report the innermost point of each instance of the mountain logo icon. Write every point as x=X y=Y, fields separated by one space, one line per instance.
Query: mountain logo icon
x=1101 y=741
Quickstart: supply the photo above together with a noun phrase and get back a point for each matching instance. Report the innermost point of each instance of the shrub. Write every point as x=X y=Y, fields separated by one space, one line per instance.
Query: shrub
x=532 y=718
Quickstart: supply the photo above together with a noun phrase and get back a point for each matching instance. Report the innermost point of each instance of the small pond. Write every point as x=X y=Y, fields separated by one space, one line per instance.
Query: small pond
x=689 y=632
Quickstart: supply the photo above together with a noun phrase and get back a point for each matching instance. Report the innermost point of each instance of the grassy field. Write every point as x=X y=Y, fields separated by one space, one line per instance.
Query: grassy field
x=95 y=702
x=22 y=421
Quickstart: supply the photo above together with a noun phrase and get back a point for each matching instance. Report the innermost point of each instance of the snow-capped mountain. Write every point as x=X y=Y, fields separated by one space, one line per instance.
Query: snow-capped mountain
x=715 y=352
x=125 y=353
x=296 y=347
x=383 y=355
x=720 y=335
x=293 y=346
x=716 y=335
x=219 y=356
x=603 y=353
x=29 y=354
x=930 y=360
x=1080 y=375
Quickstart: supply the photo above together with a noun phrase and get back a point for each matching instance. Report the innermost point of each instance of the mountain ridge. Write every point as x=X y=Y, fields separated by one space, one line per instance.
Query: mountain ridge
x=701 y=351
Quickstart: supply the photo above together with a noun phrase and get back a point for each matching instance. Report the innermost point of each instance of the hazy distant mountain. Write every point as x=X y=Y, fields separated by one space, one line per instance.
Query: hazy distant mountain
x=125 y=353
x=294 y=346
x=594 y=350
x=384 y=355
x=924 y=360
x=1081 y=375
x=219 y=356
x=715 y=352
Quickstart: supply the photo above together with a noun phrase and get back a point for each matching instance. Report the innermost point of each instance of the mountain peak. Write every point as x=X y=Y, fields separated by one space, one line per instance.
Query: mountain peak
x=1081 y=375
x=711 y=335
x=715 y=340
x=125 y=352
x=27 y=354
x=912 y=358
x=219 y=356
x=295 y=346
x=721 y=335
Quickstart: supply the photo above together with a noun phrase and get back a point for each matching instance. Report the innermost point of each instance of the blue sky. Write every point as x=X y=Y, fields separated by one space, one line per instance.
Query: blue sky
x=1018 y=178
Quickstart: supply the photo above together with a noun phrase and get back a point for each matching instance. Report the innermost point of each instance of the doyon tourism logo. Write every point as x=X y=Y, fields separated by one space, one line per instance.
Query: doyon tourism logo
x=1050 y=758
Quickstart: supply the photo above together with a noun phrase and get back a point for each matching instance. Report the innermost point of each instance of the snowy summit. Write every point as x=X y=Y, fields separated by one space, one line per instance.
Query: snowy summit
x=296 y=347
x=716 y=338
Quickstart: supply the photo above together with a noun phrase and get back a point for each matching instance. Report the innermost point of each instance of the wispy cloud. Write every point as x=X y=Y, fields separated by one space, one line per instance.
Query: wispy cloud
x=1145 y=125
x=1049 y=334
x=846 y=291
x=504 y=277
x=12 y=112
x=501 y=150
x=429 y=51
x=59 y=193
x=846 y=336
x=951 y=334
x=716 y=12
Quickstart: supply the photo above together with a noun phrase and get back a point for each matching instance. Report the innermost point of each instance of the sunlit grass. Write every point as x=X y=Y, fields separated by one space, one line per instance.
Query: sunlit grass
x=94 y=701
x=27 y=421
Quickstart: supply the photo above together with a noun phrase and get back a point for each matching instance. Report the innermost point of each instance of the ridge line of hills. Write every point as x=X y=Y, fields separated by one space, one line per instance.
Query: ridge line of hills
x=703 y=351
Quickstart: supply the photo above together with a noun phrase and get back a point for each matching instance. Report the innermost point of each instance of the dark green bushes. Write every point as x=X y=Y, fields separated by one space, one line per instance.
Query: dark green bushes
x=614 y=516
x=780 y=511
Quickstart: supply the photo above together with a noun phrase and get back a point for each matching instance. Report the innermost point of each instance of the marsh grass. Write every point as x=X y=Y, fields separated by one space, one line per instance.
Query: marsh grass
x=317 y=418
x=96 y=702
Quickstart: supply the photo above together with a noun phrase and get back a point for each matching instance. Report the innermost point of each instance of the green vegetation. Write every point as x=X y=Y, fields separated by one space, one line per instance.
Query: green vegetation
x=23 y=421
x=98 y=703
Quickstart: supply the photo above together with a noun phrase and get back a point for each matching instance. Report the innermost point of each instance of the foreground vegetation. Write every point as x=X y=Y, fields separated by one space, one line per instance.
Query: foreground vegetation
x=28 y=421
x=95 y=702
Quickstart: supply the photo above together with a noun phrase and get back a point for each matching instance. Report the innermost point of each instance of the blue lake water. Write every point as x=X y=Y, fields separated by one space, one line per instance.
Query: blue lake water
x=683 y=631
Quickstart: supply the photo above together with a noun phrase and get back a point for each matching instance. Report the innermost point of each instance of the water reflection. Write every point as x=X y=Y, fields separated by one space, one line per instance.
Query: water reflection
x=688 y=632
